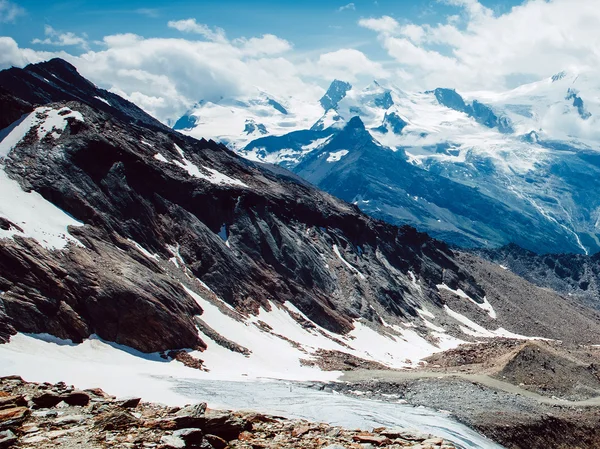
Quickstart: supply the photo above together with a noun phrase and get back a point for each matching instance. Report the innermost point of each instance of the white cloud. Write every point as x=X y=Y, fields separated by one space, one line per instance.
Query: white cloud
x=191 y=26
x=166 y=76
x=483 y=50
x=349 y=6
x=265 y=45
x=61 y=39
x=9 y=11
x=346 y=64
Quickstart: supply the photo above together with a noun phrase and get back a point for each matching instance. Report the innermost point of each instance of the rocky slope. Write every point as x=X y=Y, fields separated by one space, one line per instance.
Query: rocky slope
x=157 y=241
x=575 y=275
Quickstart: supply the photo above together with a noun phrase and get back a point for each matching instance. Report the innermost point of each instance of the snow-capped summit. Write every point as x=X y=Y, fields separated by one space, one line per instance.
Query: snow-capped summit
x=238 y=120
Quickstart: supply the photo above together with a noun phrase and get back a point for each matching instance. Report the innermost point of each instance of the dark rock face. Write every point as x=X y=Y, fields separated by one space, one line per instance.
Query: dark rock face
x=252 y=127
x=451 y=99
x=161 y=210
x=576 y=275
x=336 y=93
x=185 y=122
x=392 y=122
x=57 y=80
x=482 y=113
x=578 y=104
x=384 y=184
x=104 y=172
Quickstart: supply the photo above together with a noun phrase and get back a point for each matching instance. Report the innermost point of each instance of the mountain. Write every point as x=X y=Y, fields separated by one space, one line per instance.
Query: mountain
x=526 y=161
x=154 y=240
x=238 y=121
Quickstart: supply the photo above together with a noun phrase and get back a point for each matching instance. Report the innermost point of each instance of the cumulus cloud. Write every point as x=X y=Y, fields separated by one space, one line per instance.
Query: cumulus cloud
x=215 y=34
x=9 y=11
x=165 y=76
x=61 y=39
x=479 y=49
x=347 y=64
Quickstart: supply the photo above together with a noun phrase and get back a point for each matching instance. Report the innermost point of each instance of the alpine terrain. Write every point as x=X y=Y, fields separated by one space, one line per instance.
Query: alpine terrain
x=523 y=162
x=168 y=262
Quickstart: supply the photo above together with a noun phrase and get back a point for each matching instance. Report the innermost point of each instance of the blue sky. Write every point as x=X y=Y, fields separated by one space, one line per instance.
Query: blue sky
x=311 y=25
x=165 y=56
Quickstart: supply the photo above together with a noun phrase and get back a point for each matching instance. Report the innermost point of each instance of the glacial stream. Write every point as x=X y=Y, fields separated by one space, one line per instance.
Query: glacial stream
x=296 y=401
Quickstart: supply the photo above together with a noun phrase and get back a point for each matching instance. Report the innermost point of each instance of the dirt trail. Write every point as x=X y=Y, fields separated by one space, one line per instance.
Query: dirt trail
x=482 y=379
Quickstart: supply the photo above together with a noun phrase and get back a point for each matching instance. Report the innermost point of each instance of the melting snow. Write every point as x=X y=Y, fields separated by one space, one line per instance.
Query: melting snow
x=486 y=306
x=337 y=156
x=103 y=100
x=476 y=330
x=144 y=251
x=37 y=217
x=160 y=157
x=47 y=120
x=337 y=253
x=214 y=176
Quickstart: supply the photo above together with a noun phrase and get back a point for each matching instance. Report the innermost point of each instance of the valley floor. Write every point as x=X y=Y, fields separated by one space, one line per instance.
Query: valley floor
x=522 y=395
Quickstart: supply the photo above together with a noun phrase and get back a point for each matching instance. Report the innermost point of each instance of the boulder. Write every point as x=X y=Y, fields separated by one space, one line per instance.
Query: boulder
x=216 y=442
x=225 y=425
x=46 y=400
x=117 y=420
x=79 y=398
x=129 y=402
x=12 y=401
x=190 y=436
x=192 y=416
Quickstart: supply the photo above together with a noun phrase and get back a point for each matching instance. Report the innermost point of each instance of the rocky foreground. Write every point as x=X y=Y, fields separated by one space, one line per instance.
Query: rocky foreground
x=50 y=416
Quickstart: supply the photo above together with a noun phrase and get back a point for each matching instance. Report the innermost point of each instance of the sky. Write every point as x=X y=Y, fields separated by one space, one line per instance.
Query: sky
x=167 y=55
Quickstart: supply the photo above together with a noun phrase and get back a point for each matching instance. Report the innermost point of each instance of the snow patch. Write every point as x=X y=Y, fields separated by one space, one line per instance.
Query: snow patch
x=475 y=330
x=37 y=217
x=337 y=156
x=103 y=100
x=160 y=157
x=47 y=120
x=144 y=251
x=486 y=306
x=352 y=268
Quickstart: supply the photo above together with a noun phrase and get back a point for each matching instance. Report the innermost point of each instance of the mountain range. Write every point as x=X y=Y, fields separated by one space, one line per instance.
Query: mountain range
x=474 y=169
x=154 y=240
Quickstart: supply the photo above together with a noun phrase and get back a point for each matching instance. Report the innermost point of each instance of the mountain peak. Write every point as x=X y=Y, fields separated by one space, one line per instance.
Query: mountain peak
x=355 y=123
x=337 y=92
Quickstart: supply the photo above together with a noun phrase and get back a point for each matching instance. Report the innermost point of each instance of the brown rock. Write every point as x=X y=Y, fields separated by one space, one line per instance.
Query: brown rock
x=13 y=417
x=299 y=431
x=46 y=400
x=245 y=436
x=8 y=401
x=98 y=392
x=216 y=442
x=79 y=398
x=372 y=439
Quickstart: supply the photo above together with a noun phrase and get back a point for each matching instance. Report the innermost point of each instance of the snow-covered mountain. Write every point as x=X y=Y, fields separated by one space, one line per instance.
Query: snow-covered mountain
x=238 y=121
x=120 y=233
x=529 y=158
